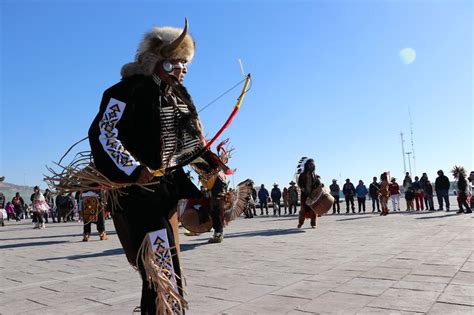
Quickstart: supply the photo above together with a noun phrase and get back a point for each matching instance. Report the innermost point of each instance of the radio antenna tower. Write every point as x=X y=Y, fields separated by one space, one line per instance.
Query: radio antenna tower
x=412 y=141
x=403 y=154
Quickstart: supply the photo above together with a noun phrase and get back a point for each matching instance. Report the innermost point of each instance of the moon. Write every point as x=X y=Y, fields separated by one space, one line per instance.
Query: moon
x=407 y=55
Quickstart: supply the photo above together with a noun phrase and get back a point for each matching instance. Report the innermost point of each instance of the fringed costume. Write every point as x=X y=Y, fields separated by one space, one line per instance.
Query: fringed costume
x=149 y=121
x=307 y=182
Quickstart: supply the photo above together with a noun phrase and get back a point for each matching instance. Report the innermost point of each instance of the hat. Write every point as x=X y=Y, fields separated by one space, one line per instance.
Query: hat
x=275 y=184
x=36 y=187
x=292 y=183
x=334 y=180
x=159 y=44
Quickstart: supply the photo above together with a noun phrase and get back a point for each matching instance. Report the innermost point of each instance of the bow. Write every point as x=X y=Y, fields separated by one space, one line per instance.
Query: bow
x=233 y=113
x=162 y=171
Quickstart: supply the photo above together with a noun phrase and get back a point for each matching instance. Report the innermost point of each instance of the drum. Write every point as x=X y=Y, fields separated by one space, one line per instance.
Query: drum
x=90 y=209
x=320 y=200
x=196 y=217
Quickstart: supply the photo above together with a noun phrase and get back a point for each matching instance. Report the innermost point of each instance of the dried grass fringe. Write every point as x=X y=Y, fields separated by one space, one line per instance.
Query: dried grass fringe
x=168 y=300
x=81 y=175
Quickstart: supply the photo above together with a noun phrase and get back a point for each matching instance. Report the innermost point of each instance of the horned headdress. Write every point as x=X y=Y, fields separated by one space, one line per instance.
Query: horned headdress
x=159 y=44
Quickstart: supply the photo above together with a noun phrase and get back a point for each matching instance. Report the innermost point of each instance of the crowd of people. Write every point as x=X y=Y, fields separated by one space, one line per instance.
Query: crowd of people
x=58 y=208
x=418 y=193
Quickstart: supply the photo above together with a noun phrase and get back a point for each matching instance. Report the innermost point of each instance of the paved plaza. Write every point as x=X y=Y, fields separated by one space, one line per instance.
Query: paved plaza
x=405 y=263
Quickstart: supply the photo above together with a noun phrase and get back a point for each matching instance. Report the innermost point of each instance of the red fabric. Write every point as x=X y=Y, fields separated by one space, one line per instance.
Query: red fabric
x=394 y=189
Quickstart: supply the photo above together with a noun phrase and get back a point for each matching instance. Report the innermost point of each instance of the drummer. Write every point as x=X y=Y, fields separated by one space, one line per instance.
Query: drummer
x=307 y=181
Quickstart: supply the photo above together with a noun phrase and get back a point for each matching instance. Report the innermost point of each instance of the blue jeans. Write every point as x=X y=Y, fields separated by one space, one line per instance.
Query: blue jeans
x=443 y=194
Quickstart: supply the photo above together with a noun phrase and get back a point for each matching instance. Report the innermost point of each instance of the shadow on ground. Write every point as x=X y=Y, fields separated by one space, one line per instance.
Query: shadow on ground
x=454 y=214
x=31 y=244
x=109 y=252
x=78 y=235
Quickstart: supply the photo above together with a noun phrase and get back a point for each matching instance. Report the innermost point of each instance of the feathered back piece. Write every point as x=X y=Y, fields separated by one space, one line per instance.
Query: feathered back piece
x=459 y=171
x=236 y=201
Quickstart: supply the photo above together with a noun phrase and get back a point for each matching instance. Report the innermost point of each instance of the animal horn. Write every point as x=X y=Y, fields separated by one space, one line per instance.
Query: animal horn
x=168 y=49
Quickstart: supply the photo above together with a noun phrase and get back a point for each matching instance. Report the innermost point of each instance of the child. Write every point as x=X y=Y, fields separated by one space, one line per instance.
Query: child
x=409 y=197
x=10 y=211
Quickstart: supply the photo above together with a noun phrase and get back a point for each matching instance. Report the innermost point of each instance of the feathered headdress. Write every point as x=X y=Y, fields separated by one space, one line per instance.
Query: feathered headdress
x=300 y=166
x=458 y=171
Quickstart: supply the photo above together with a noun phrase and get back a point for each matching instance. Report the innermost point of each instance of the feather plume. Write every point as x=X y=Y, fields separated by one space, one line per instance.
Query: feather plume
x=459 y=171
x=236 y=202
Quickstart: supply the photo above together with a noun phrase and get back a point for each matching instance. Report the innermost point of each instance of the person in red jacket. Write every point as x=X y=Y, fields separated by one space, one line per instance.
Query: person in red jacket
x=394 y=189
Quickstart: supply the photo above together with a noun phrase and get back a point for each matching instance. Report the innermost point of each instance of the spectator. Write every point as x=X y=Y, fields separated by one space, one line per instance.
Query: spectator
x=284 y=195
x=409 y=197
x=384 y=193
x=423 y=183
x=39 y=207
x=429 y=196
x=442 y=189
x=18 y=204
x=407 y=181
x=48 y=197
x=471 y=188
x=361 y=192
x=253 y=200
x=263 y=199
x=394 y=189
x=419 y=195
x=11 y=212
x=63 y=206
x=292 y=198
x=349 y=190
x=276 y=197
x=335 y=190
x=374 y=189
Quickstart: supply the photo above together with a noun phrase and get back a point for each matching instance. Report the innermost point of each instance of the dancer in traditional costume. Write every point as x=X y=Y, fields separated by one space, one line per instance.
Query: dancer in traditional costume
x=463 y=189
x=384 y=193
x=93 y=212
x=307 y=182
x=146 y=130
x=148 y=122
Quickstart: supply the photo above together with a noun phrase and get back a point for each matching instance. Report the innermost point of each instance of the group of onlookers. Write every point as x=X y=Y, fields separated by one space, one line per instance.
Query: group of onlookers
x=43 y=207
x=418 y=193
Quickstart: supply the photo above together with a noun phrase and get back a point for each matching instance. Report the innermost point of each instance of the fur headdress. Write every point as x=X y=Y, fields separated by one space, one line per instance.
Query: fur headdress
x=159 y=44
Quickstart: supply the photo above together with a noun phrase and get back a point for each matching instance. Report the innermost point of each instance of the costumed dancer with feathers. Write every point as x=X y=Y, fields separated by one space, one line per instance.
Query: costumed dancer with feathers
x=146 y=130
x=307 y=182
x=463 y=189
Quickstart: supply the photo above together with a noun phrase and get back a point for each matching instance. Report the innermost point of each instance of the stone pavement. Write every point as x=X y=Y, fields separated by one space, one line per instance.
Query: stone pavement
x=420 y=263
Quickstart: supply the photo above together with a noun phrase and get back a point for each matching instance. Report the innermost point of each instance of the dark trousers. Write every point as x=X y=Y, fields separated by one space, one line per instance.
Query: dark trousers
x=335 y=205
x=442 y=194
x=349 y=199
x=429 y=202
x=292 y=205
x=18 y=213
x=361 y=203
x=100 y=224
x=263 y=203
x=375 y=200
x=142 y=212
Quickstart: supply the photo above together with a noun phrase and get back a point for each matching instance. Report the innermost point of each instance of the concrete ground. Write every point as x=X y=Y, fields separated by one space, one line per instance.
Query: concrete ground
x=405 y=263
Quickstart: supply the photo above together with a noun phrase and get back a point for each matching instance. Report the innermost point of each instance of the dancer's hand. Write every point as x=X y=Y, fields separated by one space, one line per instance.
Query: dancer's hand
x=146 y=176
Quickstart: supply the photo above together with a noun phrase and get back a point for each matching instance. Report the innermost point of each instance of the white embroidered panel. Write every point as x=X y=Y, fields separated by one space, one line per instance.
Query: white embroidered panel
x=109 y=137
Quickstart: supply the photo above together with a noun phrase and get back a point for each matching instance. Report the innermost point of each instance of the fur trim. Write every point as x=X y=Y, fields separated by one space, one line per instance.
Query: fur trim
x=149 y=50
